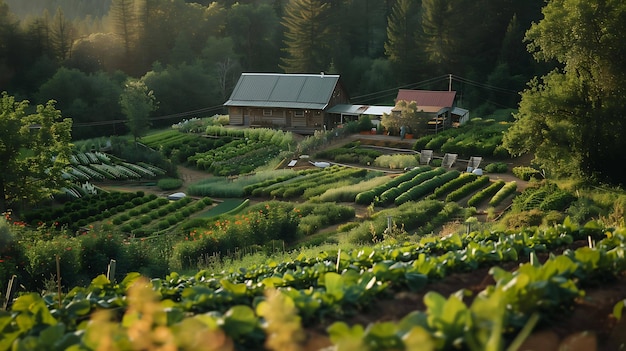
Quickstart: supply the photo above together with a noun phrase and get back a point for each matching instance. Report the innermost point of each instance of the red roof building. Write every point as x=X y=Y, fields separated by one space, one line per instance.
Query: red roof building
x=438 y=105
x=428 y=97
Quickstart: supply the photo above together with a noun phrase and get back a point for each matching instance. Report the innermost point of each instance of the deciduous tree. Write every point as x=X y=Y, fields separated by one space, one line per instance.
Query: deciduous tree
x=137 y=102
x=34 y=149
x=573 y=119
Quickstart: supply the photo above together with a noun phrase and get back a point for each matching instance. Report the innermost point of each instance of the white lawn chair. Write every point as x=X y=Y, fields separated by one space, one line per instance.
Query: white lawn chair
x=448 y=160
x=474 y=162
x=426 y=156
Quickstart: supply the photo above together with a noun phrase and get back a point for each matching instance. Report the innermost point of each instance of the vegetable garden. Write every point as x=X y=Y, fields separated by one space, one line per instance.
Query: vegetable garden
x=310 y=300
x=283 y=304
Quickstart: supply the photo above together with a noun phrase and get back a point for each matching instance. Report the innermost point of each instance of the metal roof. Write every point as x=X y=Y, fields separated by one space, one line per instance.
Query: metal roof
x=300 y=91
x=427 y=97
x=459 y=111
x=378 y=110
x=356 y=110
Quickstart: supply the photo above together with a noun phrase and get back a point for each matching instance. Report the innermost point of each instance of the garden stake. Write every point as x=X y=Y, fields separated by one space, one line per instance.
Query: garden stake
x=338 y=257
x=8 y=296
x=111 y=271
x=59 y=278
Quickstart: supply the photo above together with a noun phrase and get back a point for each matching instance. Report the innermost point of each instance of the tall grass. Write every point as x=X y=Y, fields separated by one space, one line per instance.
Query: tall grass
x=396 y=161
x=229 y=187
x=348 y=193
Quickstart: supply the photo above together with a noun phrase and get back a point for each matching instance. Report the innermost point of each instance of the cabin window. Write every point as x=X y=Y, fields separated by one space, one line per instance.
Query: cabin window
x=267 y=112
x=298 y=113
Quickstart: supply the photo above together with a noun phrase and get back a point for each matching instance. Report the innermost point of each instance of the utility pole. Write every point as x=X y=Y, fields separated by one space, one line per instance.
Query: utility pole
x=449 y=82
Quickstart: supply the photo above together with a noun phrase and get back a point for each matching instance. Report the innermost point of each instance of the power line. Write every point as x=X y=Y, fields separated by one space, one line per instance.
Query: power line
x=393 y=91
x=157 y=118
x=483 y=85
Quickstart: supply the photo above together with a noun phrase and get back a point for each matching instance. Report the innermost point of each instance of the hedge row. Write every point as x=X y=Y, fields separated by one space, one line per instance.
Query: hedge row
x=390 y=195
x=508 y=189
x=468 y=188
x=454 y=184
x=367 y=197
x=426 y=187
x=486 y=193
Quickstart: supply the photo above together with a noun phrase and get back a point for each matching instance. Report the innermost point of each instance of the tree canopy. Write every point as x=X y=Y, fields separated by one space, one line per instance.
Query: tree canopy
x=307 y=36
x=573 y=119
x=34 y=149
x=137 y=102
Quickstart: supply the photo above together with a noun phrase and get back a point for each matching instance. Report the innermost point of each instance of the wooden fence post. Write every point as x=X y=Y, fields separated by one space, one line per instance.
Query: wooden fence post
x=9 y=295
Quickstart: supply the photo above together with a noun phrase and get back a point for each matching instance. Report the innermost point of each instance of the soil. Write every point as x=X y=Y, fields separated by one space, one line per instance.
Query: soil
x=589 y=325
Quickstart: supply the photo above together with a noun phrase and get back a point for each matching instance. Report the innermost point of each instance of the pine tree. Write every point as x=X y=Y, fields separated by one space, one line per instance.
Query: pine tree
x=62 y=35
x=402 y=34
x=125 y=23
x=307 y=36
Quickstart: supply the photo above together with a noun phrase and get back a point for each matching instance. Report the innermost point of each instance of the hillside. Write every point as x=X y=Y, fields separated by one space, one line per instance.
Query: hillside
x=322 y=237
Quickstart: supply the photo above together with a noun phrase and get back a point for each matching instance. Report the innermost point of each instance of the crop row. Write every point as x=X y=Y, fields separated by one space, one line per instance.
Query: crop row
x=336 y=283
x=389 y=195
x=368 y=196
x=71 y=211
x=298 y=185
x=164 y=217
x=425 y=187
x=434 y=183
x=89 y=166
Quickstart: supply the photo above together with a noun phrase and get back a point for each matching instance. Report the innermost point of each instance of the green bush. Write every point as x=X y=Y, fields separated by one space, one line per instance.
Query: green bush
x=98 y=249
x=311 y=224
x=582 y=210
x=526 y=173
x=42 y=261
x=557 y=201
x=523 y=219
x=467 y=189
x=169 y=183
x=508 y=189
x=497 y=167
x=12 y=253
x=486 y=193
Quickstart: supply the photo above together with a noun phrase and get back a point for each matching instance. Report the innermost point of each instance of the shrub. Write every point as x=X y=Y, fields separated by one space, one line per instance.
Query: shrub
x=486 y=193
x=523 y=219
x=557 y=201
x=526 y=173
x=508 y=189
x=12 y=253
x=42 y=261
x=169 y=183
x=97 y=250
x=466 y=189
x=583 y=210
x=496 y=167
x=310 y=224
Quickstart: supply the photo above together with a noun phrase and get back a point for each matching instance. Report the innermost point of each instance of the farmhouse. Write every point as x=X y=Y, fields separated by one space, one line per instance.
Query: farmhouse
x=295 y=102
x=440 y=107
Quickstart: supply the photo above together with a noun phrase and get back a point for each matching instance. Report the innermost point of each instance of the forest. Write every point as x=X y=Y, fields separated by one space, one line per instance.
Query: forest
x=190 y=54
x=560 y=65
